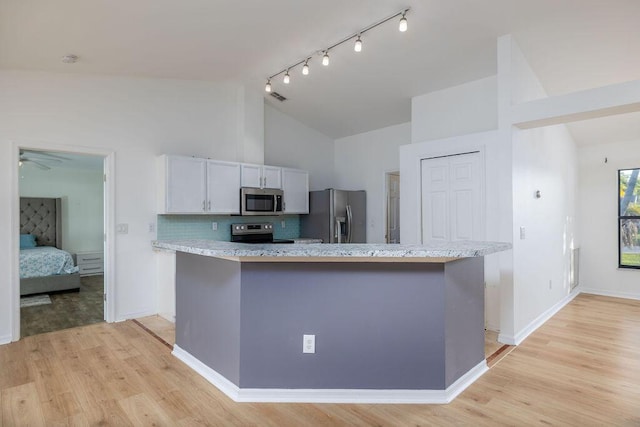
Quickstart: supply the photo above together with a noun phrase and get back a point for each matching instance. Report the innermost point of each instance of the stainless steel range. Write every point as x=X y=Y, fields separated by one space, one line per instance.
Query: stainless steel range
x=255 y=233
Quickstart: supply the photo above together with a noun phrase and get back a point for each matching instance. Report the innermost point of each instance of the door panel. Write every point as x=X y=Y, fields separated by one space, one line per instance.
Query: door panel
x=393 y=208
x=435 y=205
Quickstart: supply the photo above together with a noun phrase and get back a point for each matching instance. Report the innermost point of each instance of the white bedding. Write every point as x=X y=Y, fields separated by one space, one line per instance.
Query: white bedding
x=45 y=261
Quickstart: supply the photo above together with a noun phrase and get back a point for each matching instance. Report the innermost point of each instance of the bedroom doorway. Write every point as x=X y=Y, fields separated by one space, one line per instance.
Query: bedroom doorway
x=62 y=229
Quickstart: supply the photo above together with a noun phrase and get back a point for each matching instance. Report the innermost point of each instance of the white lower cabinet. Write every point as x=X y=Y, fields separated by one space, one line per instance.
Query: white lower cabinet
x=295 y=186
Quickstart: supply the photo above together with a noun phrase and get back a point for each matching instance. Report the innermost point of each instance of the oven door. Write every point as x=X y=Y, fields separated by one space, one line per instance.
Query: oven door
x=260 y=201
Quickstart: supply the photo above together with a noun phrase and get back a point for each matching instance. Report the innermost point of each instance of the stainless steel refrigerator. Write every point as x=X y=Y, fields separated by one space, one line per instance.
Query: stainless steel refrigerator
x=336 y=216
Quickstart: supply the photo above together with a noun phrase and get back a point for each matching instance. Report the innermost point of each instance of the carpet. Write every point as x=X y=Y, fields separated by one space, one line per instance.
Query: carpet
x=34 y=300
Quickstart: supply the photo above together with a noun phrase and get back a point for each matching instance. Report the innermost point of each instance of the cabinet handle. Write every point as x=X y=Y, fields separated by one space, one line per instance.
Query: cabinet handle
x=209 y=205
x=92 y=268
x=90 y=259
x=265 y=181
x=204 y=205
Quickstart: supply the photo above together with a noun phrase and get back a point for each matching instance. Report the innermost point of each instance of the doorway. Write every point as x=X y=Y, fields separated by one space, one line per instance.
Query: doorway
x=61 y=194
x=392 y=185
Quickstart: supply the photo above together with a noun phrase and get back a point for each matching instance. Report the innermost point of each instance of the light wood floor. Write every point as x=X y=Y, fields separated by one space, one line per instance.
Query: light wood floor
x=580 y=368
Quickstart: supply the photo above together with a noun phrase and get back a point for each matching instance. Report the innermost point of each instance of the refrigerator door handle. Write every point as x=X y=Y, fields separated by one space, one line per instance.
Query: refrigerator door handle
x=338 y=234
x=349 y=223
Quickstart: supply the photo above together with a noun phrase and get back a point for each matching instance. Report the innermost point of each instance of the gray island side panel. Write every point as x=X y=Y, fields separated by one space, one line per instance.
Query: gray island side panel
x=208 y=312
x=377 y=326
x=464 y=318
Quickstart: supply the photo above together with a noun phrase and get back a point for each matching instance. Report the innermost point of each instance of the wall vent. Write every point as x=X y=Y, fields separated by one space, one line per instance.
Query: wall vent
x=279 y=97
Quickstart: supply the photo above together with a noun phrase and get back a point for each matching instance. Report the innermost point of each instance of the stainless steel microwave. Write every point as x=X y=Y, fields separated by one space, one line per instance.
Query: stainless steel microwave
x=260 y=201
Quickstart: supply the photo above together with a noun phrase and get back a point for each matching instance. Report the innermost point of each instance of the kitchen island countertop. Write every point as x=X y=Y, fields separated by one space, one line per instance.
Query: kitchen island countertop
x=316 y=252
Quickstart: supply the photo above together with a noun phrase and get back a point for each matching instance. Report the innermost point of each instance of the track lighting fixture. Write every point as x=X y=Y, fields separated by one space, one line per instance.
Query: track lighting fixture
x=325 y=58
x=403 y=23
x=402 y=27
x=358 y=46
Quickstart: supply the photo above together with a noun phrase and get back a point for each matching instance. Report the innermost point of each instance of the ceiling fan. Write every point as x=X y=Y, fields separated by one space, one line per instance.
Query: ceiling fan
x=40 y=159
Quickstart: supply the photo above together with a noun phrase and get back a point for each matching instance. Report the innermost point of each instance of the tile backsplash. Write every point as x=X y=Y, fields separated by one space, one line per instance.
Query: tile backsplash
x=172 y=227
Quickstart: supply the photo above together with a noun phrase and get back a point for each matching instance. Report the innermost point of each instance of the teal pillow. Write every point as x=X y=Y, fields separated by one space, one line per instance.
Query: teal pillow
x=27 y=241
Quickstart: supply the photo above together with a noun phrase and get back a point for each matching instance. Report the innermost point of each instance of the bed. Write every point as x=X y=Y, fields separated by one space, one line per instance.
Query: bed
x=45 y=267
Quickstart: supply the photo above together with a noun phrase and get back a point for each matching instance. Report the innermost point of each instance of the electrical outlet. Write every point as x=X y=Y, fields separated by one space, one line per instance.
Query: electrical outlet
x=308 y=343
x=522 y=233
x=152 y=227
x=283 y=224
x=214 y=226
x=122 y=228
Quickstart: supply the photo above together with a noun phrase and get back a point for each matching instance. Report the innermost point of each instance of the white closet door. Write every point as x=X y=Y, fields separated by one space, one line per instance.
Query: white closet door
x=435 y=199
x=452 y=198
x=465 y=197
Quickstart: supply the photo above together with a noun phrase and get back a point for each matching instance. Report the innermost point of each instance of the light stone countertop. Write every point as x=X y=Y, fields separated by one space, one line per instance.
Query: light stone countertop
x=318 y=252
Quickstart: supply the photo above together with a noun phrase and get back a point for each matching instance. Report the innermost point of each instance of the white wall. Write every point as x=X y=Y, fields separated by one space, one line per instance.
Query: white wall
x=137 y=119
x=360 y=164
x=290 y=143
x=82 y=202
x=543 y=159
x=458 y=110
x=599 y=272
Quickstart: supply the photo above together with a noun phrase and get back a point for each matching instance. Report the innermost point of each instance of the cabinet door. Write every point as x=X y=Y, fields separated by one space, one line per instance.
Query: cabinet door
x=251 y=175
x=271 y=177
x=185 y=184
x=295 y=185
x=223 y=187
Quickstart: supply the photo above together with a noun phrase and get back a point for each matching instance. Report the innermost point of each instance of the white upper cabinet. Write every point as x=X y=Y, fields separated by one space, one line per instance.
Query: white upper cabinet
x=198 y=186
x=223 y=187
x=260 y=176
x=295 y=186
x=183 y=186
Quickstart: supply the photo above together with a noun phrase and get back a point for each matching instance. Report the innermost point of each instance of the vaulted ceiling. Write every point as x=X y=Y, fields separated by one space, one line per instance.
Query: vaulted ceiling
x=572 y=45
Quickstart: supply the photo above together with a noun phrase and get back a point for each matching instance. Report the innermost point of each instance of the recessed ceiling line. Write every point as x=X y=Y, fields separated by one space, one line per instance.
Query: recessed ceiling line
x=325 y=52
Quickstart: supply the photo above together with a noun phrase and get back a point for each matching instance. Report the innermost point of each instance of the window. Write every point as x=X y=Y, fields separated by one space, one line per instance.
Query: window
x=629 y=218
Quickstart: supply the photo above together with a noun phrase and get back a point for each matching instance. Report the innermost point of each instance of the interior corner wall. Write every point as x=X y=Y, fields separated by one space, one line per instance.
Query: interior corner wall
x=289 y=143
x=137 y=119
x=250 y=126
x=459 y=110
x=544 y=159
x=361 y=162
x=81 y=192
x=598 y=224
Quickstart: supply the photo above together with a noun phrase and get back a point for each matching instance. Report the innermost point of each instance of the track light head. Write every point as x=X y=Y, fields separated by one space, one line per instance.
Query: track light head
x=403 y=26
x=358 y=46
x=325 y=58
x=286 y=79
x=267 y=87
x=305 y=68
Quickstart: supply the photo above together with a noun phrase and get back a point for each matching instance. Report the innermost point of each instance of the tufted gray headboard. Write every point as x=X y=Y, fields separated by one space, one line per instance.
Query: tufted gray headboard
x=42 y=217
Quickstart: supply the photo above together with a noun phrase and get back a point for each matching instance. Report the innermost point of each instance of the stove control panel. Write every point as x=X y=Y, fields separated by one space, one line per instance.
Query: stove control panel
x=251 y=228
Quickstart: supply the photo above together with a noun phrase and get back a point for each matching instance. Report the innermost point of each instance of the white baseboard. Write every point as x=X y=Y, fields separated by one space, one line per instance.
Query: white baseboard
x=538 y=321
x=614 y=294
x=5 y=339
x=168 y=316
x=135 y=315
x=330 y=395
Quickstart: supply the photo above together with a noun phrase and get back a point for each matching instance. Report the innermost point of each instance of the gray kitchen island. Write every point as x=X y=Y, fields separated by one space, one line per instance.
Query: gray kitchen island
x=392 y=323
